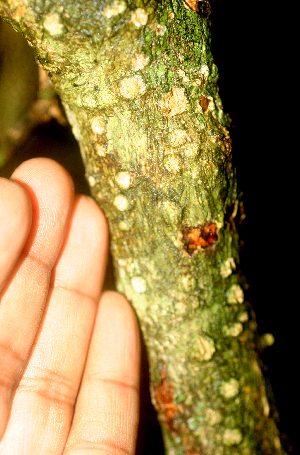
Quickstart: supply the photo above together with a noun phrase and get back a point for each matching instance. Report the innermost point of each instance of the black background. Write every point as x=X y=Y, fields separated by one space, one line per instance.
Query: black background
x=251 y=47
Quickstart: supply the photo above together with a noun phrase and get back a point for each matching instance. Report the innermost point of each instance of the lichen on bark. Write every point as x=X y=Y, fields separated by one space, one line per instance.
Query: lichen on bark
x=139 y=86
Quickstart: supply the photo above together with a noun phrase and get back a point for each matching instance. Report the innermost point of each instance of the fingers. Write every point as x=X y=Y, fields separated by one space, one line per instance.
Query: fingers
x=106 y=413
x=15 y=222
x=50 y=320
x=50 y=189
x=49 y=386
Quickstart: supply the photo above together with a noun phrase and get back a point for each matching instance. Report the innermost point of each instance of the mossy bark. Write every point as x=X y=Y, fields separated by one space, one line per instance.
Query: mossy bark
x=139 y=87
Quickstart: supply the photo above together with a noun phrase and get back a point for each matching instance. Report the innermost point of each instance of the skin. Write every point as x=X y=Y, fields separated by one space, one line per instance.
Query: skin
x=69 y=354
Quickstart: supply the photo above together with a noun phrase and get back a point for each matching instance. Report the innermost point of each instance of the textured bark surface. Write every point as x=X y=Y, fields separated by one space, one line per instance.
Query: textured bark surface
x=139 y=87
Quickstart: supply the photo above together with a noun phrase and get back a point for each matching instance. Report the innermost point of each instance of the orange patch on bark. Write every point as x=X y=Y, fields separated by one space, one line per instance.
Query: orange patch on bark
x=202 y=237
x=164 y=397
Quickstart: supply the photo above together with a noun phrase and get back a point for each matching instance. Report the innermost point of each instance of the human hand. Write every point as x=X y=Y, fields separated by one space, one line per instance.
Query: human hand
x=69 y=355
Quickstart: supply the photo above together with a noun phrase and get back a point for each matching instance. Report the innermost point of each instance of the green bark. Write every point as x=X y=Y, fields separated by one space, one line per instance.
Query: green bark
x=139 y=87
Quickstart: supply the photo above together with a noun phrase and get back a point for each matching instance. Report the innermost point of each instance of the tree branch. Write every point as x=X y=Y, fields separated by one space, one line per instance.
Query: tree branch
x=139 y=87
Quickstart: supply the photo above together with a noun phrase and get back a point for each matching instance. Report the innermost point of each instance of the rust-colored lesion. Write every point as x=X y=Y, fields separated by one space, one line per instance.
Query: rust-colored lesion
x=201 y=7
x=192 y=4
x=200 y=237
x=164 y=399
x=172 y=415
x=204 y=102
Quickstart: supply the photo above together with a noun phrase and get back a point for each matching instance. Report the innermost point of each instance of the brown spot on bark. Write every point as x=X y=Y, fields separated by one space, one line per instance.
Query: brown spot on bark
x=164 y=397
x=200 y=237
x=191 y=4
x=204 y=102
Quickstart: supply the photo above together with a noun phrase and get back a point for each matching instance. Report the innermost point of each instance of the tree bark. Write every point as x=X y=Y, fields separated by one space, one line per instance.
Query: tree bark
x=139 y=86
